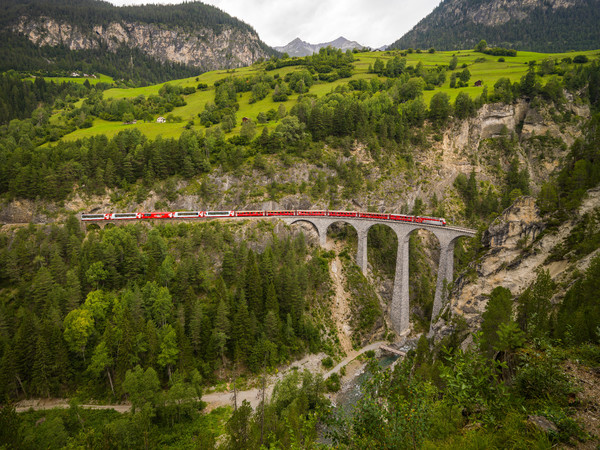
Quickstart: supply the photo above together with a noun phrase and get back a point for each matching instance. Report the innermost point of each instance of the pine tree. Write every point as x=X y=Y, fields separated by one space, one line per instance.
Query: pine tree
x=242 y=330
x=271 y=302
x=497 y=311
x=168 y=349
x=229 y=267
x=534 y=306
x=254 y=292
x=195 y=325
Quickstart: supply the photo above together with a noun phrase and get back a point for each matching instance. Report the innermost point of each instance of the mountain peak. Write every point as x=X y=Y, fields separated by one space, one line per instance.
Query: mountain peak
x=298 y=47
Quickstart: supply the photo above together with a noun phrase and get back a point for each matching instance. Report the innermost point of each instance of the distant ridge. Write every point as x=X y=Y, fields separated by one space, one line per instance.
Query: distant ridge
x=534 y=25
x=298 y=47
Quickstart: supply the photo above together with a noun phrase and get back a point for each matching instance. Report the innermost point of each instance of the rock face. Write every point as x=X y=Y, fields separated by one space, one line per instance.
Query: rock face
x=203 y=48
x=519 y=222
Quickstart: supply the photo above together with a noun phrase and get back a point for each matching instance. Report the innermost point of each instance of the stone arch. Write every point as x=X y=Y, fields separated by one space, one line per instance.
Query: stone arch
x=92 y=226
x=361 y=239
x=320 y=234
x=374 y=239
x=426 y=281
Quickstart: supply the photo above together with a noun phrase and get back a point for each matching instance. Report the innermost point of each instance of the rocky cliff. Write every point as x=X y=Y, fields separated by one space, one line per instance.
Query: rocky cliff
x=551 y=25
x=203 y=47
x=516 y=246
x=77 y=32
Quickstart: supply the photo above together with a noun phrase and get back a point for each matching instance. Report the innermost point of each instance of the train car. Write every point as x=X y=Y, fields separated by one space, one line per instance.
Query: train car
x=368 y=215
x=124 y=216
x=280 y=213
x=95 y=216
x=209 y=214
x=311 y=213
x=188 y=214
x=431 y=220
x=342 y=213
x=249 y=213
x=155 y=215
x=402 y=218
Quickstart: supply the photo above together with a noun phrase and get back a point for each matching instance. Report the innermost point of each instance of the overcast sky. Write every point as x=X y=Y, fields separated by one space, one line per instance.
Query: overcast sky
x=370 y=22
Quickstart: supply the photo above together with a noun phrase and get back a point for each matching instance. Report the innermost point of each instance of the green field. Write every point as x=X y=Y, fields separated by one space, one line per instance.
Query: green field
x=488 y=71
x=100 y=79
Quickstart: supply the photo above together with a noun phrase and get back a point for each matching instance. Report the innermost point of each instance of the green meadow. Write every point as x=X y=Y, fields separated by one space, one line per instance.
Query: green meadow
x=483 y=67
x=100 y=78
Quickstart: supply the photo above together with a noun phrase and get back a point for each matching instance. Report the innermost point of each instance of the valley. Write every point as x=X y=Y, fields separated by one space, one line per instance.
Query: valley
x=235 y=332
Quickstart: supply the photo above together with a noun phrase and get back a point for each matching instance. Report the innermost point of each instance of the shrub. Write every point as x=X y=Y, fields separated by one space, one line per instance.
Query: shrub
x=333 y=383
x=327 y=362
x=539 y=376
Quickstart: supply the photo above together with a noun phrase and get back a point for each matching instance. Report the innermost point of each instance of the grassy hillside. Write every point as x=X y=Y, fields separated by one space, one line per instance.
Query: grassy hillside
x=482 y=67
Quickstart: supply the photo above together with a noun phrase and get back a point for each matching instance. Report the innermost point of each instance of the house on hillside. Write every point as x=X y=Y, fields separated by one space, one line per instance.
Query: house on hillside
x=161 y=119
x=478 y=83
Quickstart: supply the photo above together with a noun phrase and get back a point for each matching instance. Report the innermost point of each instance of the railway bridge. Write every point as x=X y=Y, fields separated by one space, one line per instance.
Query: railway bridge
x=400 y=307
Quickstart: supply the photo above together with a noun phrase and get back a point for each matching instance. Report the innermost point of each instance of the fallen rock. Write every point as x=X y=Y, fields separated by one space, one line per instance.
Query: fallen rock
x=542 y=424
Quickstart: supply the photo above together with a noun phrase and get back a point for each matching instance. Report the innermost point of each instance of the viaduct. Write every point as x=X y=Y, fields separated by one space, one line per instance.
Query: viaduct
x=400 y=307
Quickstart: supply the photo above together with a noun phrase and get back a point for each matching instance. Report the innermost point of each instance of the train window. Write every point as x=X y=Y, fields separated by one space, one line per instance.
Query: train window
x=92 y=216
x=124 y=216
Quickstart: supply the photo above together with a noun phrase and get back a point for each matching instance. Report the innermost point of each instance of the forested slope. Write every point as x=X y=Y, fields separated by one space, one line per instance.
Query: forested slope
x=546 y=26
x=144 y=44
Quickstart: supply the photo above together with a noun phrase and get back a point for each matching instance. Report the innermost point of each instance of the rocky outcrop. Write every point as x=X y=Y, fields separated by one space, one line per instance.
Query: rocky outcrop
x=203 y=47
x=521 y=222
x=516 y=249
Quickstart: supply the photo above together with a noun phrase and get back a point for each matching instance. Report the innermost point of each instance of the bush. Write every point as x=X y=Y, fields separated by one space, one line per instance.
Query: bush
x=327 y=362
x=580 y=59
x=539 y=377
x=333 y=383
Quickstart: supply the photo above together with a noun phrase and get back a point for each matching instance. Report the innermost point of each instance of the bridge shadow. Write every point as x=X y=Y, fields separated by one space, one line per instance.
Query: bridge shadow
x=424 y=251
x=311 y=232
x=343 y=231
x=92 y=227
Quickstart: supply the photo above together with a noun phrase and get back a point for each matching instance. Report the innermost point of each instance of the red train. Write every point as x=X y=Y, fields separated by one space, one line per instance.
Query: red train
x=440 y=221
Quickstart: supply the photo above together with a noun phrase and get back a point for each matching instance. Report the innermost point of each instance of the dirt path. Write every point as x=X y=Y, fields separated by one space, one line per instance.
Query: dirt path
x=353 y=355
x=41 y=404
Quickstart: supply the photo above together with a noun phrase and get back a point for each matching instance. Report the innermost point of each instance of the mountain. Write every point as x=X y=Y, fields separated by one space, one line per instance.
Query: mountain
x=187 y=38
x=298 y=47
x=535 y=25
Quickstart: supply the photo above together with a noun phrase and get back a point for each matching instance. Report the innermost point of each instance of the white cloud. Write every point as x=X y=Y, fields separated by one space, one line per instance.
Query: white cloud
x=370 y=22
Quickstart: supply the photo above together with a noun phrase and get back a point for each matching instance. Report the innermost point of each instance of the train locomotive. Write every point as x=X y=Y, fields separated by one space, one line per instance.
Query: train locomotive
x=439 y=221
